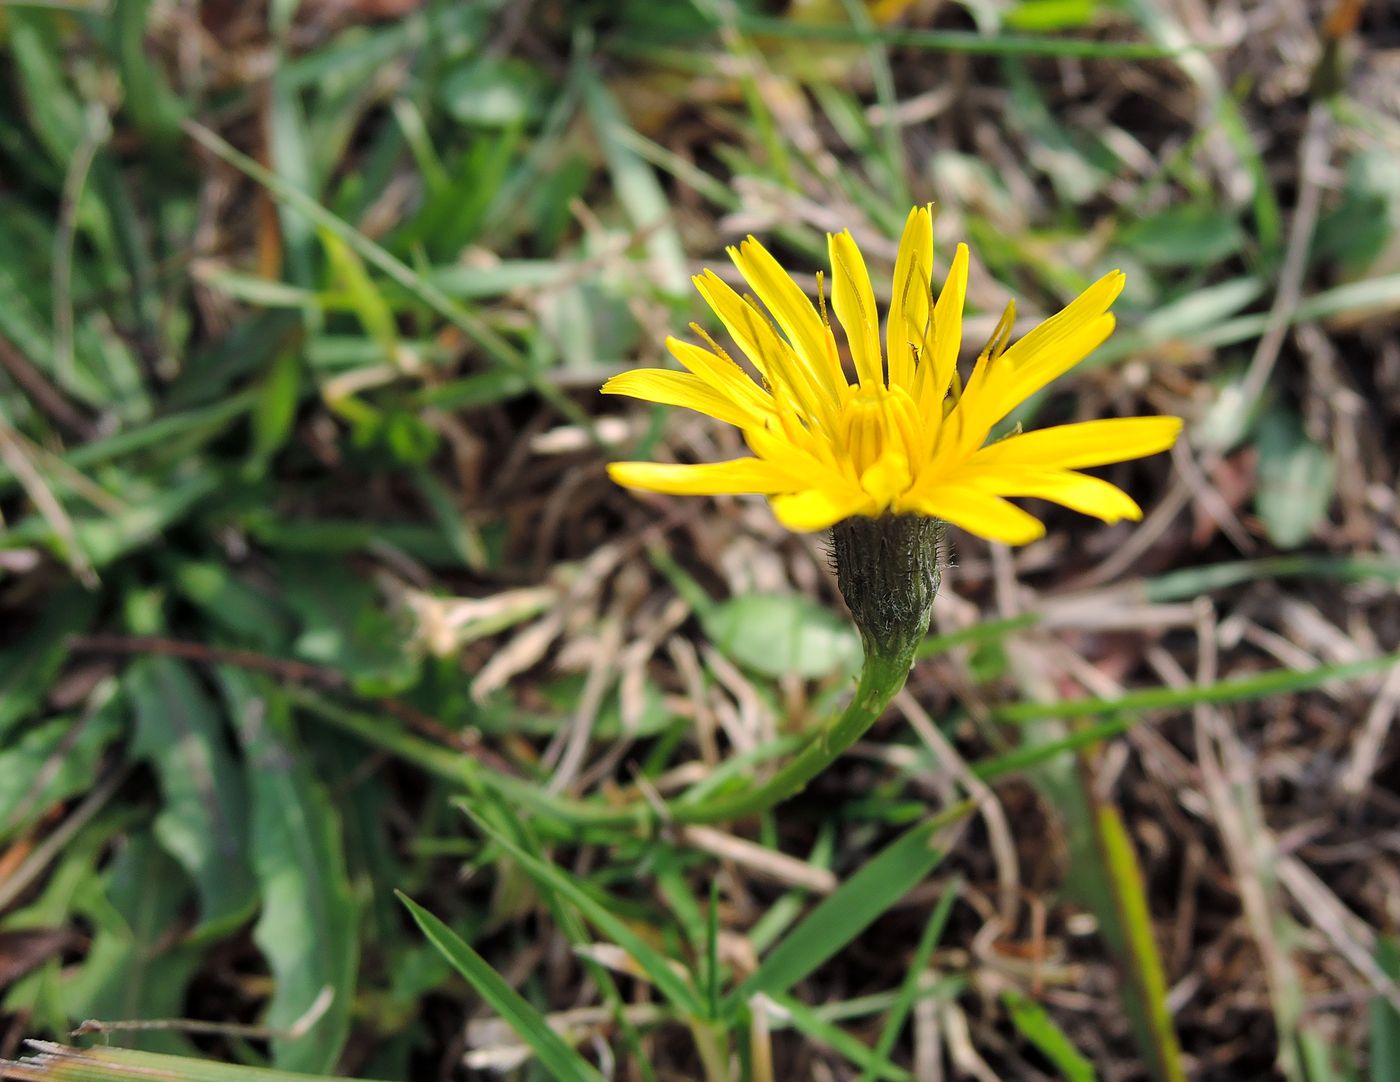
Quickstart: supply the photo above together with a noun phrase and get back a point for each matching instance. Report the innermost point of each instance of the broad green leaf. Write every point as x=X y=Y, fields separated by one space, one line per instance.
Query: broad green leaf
x=51 y=761
x=142 y=522
x=1296 y=479
x=203 y=821
x=1077 y=163
x=1367 y=216
x=495 y=92
x=562 y=1062
x=1191 y=235
x=72 y=885
x=344 y=624
x=783 y=634
x=135 y=968
x=29 y=664
x=309 y=927
x=236 y=604
x=1230 y=415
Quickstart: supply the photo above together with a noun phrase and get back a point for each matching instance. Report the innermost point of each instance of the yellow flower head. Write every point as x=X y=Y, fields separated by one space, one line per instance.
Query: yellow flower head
x=907 y=437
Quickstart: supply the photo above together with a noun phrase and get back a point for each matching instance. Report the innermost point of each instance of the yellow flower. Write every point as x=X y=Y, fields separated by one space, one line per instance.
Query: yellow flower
x=908 y=436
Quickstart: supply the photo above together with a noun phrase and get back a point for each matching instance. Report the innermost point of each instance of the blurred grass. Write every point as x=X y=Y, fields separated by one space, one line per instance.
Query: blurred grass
x=301 y=316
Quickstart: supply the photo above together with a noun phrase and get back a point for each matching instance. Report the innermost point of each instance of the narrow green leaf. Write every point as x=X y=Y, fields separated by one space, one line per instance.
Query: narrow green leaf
x=562 y=1062
x=151 y=102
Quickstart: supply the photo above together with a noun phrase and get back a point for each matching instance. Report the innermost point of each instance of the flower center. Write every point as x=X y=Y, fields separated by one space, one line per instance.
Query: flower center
x=878 y=420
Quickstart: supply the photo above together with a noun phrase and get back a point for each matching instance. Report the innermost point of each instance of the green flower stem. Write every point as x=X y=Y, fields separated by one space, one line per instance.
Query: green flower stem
x=880 y=679
x=883 y=674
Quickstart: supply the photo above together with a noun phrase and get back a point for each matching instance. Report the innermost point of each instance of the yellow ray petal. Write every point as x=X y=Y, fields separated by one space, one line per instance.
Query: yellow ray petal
x=887 y=478
x=738 y=476
x=1090 y=304
x=1077 y=491
x=978 y=513
x=853 y=300
x=722 y=374
x=947 y=337
x=680 y=389
x=820 y=508
x=1049 y=363
x=909 y=301
x=793 y=312
x=775 y=360
x=1004 y=389
x=1089 y=443
x=1050 y=350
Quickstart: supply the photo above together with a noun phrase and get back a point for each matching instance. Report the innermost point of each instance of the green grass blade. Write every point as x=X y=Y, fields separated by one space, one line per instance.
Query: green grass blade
x=478 y=330
x=658 y=968
x=1136 y=947
x=958 y=41
x=1191 y=582
x=1385 y=1019
x=638 y=190
x=853 y=907
x=807 y=1021
x=57 y=1063
x=909 y=988
x=1275 y=682
x=562 y=1062
x=1030 y=1018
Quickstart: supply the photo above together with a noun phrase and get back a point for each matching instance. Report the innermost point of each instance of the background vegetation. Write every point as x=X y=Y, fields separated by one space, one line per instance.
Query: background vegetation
x=314 y=589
